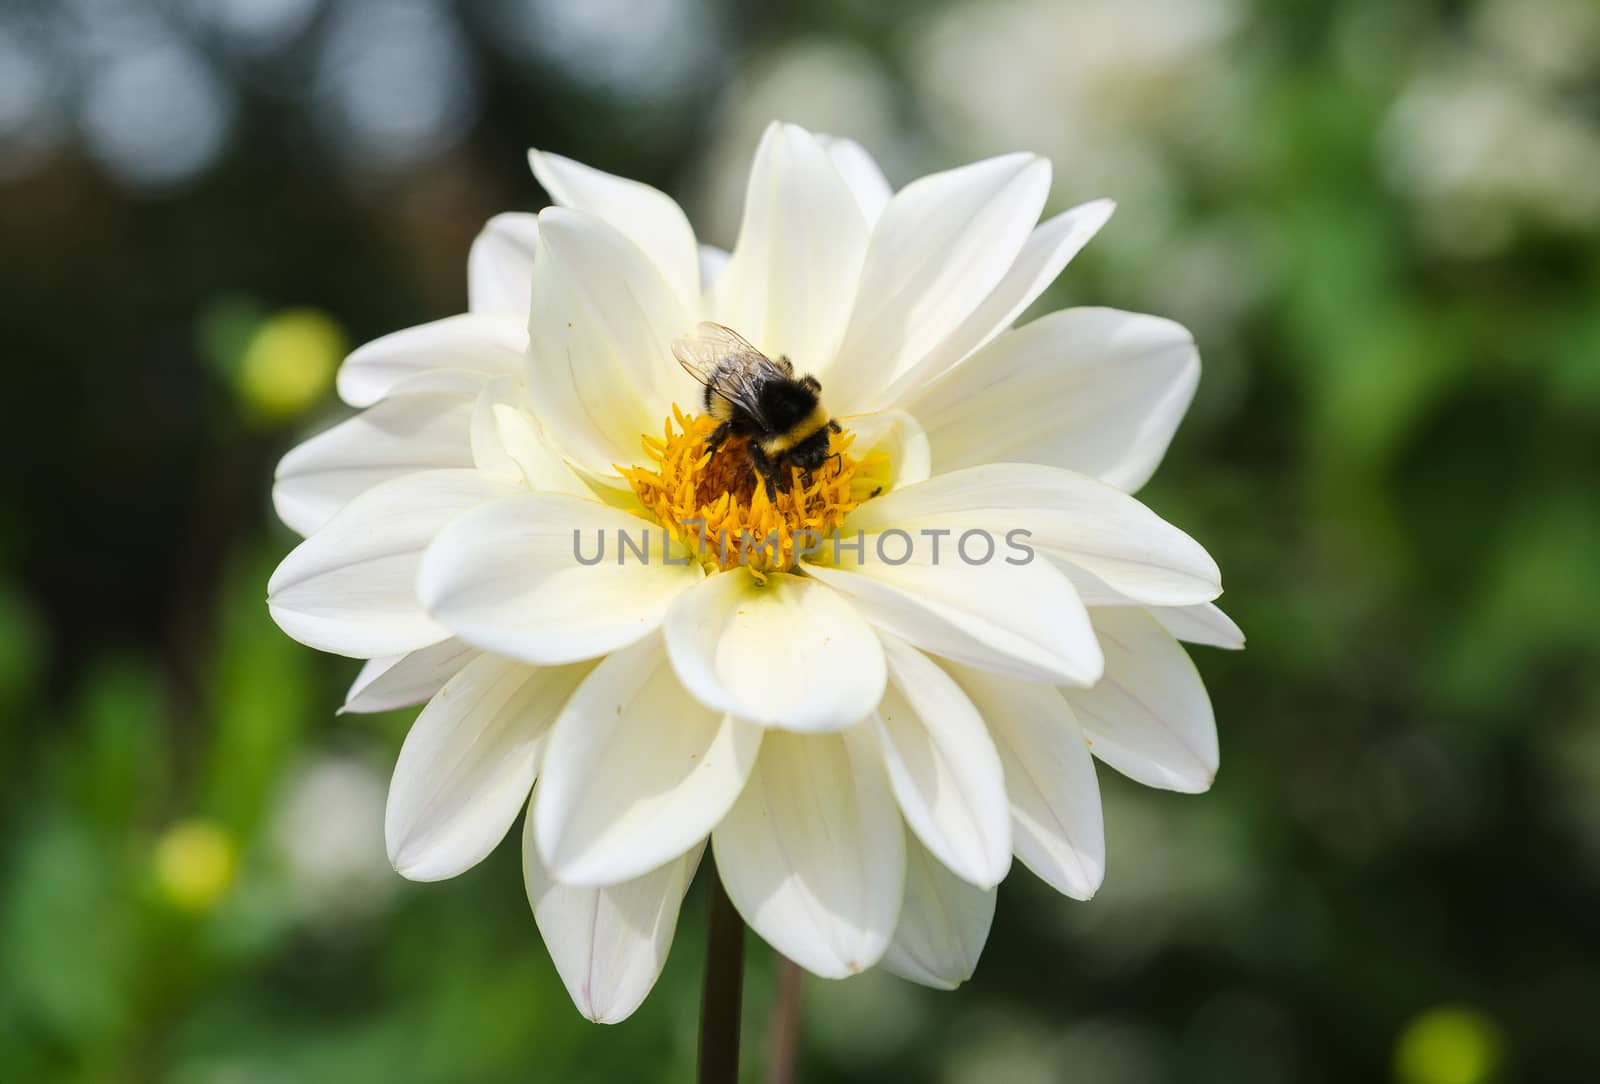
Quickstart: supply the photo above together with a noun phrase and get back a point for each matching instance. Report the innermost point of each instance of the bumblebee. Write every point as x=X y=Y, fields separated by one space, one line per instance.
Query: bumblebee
x=750 y=395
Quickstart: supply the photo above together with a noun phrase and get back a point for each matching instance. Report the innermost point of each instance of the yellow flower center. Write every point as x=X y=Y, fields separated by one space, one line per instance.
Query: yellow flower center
x=716 y=505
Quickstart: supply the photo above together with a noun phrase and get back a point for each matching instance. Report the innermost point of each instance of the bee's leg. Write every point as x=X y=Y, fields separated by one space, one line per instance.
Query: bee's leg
x=834 y=427
x=766 y=468
x=811 y=382
x=786 y=364
x=718 y=436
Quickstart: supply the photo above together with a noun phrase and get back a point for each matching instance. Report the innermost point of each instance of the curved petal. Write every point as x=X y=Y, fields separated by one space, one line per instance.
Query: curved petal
x=1047 y=251
x=399 y=681
x=455 y=383
x=790 y=283
x=896 y=436
x=600 y=342
x=861 y=172
x=1019 y=619
x=500 y=266
x=1149 y=717
x=1203 y=624
x=489 y=452
x=511 y=578
x=507 y=442
x=942 y=245
x=637 y=771
x=1095 y=391
x=943 y=767
x=646 y=216
x=813 y=852
x=713 y=262
x=487 y=343
x=351 y=587
x=789 y=653
x=399 y=436
x=468 y=763
x=1070 y=517
x=944 y=923
x=1056 y=825
x=608 y=944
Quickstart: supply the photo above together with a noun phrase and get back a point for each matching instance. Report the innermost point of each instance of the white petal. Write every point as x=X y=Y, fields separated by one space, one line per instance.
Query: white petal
x=1202 y=624
x=351 y=587
x=500 y=266
x=1095 y=391
x=600 y=346
x=646 y=216
x=455 y=383
x=1019 y=619
x=399 y=436
x=1092 y=589
x=861 y=172
x=468 y=763
x=487 y=343
x=608 y=944
x=813 y=853
x=790 y=653
x=508 y=578
x=1056 y=826
x=942 y=245
x=944 y=923
x=489 y=452
x=1149 y=717
x=713 y=261
x=896 y=435
x=943 y=767
x=507 y=442
x=1046 y=252
x=637 y=772
x=399 y=681
x=791 y=281
x=1068 y=516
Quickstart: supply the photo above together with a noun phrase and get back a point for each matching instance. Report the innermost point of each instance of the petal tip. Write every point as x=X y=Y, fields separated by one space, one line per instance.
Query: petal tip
x=412 y=867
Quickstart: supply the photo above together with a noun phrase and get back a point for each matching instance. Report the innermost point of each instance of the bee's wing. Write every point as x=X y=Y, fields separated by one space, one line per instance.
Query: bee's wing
x=724 y=361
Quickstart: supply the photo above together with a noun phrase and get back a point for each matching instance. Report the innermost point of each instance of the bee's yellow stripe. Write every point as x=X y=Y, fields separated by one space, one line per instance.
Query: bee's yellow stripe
x=776 y=445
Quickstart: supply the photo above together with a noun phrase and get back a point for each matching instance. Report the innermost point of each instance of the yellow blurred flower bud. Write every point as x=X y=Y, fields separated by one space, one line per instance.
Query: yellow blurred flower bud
x=1448 y=1045
x=195 y=862
x=289 y=364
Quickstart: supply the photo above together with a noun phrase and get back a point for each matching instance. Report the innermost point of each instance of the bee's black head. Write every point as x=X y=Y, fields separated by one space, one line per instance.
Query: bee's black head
x=811 y=453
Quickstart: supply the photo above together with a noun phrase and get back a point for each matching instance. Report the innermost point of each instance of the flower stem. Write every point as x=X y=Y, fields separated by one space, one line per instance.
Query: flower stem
x=786 y=1020
x=719 y=1004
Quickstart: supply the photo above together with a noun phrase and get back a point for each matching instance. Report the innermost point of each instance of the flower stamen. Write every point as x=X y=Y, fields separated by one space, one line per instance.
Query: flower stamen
x=716 y=505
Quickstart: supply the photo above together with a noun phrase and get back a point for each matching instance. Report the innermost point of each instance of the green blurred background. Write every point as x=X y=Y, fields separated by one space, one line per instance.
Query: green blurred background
x=1379 y=218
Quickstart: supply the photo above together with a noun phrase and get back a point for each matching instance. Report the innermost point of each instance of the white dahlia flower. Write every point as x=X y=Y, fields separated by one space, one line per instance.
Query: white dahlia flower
x=864 y=731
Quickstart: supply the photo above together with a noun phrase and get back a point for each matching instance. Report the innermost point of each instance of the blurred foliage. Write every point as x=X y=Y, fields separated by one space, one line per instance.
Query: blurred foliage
x=1375 y=216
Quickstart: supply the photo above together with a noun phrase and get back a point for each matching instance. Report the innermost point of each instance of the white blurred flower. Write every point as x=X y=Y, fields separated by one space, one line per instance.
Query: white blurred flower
x=1491 y=133
x=1100 y=86
x=1551 y=39
x=156 y=113
x=863 y=742
x=1483 y=151
x=32 y=113
x=649 y=50
x=253 y=26
x=822 y=84
x=394 y=83
x=323 y=834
